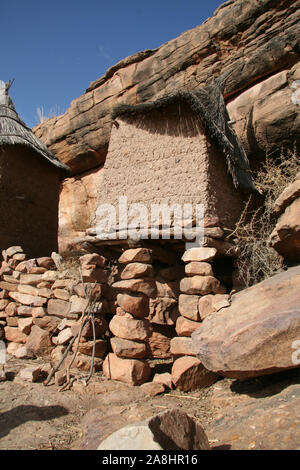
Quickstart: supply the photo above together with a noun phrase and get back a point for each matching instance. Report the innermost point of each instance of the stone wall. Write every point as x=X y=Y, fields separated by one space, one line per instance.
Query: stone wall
x=138 y=319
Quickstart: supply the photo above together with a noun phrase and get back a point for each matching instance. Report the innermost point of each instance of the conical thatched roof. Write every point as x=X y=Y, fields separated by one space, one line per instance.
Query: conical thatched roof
x=13 y=131
x=208 y=104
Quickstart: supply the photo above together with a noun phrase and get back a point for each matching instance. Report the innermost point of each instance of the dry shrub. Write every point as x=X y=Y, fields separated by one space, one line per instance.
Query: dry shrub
x=70 y=267
x=257 y=261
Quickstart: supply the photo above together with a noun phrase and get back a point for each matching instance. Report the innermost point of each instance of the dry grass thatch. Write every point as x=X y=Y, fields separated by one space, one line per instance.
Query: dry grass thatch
x=257 y=260
x=13 y=131
x=208 y=105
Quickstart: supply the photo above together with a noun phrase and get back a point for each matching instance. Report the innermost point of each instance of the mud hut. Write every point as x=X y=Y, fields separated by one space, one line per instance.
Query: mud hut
x=179 y=149
x=29 y=188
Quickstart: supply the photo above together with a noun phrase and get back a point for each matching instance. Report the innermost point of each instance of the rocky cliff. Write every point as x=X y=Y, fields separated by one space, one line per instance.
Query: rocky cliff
x=255 y=44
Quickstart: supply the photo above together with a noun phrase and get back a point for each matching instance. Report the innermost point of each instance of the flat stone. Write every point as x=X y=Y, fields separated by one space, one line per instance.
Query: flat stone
x=87 y=347
x=38 y=342
x=12 y=250
x=138 y=306
x=64 y=336
x=132 y=371
x=201 y=285
x=153 y=388
x=188 y=306
x=165 y=379
x=135 y=437
x=128 y=349
x=130 y=328
x=31 y=279
x=30 y=374
x=182 y=346
x=14 y=335
x=62 y=294
x=60 y=308
x=35 y=312
x=189 y=374
x=198 y=268
x=137 y=255
x=29 y=300
x=136 y=270
x=210 y=303
x=25 y=324
x=144 y=286
x=185 y=327
x=199 y=254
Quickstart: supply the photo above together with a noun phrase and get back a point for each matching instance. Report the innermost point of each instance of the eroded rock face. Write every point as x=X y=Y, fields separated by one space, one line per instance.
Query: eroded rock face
x=255 y=335
x=77 y=207
x=248 y=39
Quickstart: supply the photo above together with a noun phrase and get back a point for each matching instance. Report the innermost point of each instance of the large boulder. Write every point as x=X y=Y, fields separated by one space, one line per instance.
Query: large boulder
x=256 y=334
x=285 y=238
x=171 y=430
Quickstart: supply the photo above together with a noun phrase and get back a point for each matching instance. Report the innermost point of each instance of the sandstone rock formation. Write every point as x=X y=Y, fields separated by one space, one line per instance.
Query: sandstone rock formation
x=254 y=44
x=285 y=237
x=255 y=335
x=248 y=40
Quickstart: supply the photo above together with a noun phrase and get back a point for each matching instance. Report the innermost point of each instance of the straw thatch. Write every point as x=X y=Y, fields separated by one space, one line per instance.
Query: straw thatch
x=13 y=131
x=208 y=104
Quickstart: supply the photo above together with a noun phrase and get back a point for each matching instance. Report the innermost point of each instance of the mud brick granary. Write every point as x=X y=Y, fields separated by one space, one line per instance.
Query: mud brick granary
x=29 y=190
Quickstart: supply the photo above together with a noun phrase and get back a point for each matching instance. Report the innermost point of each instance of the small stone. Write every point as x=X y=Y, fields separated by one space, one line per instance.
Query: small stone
x=29 y=300
x=61 y=294
x=165 y=379
x=15 y=335
x=130 y=328
x=199 y=254
x=209 y=304
x=45 y=262
x=138 y=306
x=11 y=251
x=188 y=374
x=128 y=349
x=93 y=258
x=30 y=374
x=200 y=285
x=188 y=306
x=185 y=327
x=140 y=255
x=144 y=286
x=64 y=336
x=182 y=346
x=22 y=353
x=153 y=388
x=132 y=371
x=35 y=312
x=136 y=270
x=60 y=377
x=198 y=268
x=25 y=324
x=57 y=259
x=38 y=342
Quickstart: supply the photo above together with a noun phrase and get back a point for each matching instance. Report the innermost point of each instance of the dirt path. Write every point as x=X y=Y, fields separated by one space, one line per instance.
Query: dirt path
x=35 y=417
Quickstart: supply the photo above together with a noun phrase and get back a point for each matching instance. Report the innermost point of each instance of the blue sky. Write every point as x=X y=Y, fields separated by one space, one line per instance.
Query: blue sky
x=54 y=49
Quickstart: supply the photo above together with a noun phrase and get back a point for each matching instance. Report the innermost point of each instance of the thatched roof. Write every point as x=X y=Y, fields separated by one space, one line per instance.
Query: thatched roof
x=208 y=104
x=13 y=131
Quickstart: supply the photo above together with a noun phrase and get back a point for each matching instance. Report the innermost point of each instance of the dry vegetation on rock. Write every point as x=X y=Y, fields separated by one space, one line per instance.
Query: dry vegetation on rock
x=257 y=260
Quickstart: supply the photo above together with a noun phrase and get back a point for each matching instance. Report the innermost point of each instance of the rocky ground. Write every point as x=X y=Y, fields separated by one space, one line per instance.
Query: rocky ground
x=255 y=414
